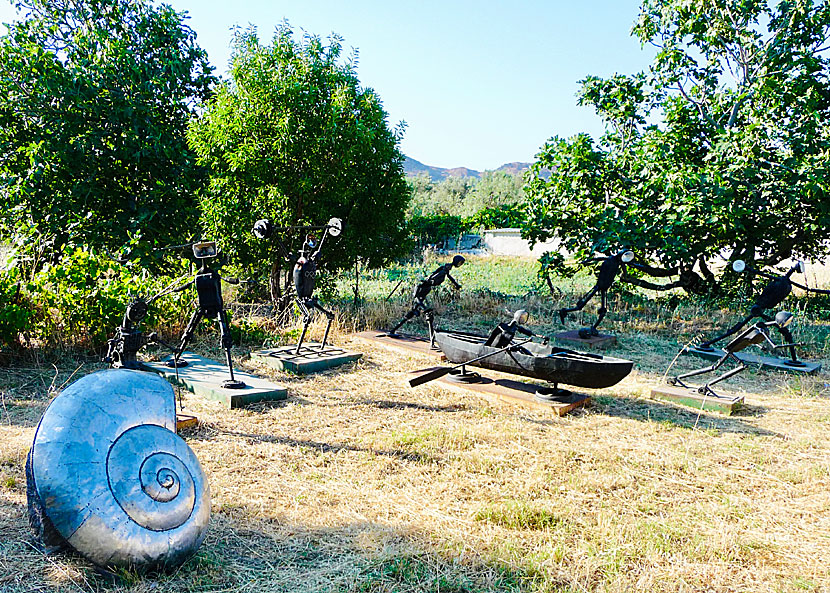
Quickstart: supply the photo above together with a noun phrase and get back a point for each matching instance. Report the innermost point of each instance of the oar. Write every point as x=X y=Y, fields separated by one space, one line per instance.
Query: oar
x=440 y=372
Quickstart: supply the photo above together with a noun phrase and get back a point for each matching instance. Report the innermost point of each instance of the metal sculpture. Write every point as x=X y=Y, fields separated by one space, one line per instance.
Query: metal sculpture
x=422 y=290
x=108 y=476
x=305 y=270
x=610 y=267
x=756 y=334
x=210 y=305
x=526 y=358
x=771 y=296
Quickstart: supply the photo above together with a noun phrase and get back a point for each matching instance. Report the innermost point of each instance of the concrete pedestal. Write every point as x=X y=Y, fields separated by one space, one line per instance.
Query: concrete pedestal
x=725 y=403
x=204 y=377
x=310 y=359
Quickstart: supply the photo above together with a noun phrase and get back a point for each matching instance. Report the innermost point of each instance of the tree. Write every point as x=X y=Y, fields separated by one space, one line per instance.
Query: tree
x=95 y=98
x=720 y=149
x=294 y=137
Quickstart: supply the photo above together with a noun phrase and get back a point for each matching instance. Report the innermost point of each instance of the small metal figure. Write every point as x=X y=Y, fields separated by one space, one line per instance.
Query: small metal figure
x=129 y=338
x=771 y=296
x=305 y=270
x=503 y=334
x=419 y=294
x=209 y=291
x=757 y=334
x=611 y=266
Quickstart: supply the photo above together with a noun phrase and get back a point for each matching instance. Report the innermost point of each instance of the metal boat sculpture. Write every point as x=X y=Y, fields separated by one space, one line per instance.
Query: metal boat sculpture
x=108 y=475
x=539 y=361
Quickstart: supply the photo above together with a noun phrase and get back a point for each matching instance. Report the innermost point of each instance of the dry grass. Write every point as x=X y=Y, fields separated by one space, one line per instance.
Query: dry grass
x=358 y=483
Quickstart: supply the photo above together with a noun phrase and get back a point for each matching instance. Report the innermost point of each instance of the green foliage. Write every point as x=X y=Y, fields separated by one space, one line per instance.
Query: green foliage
x=464 y=196
x=723 y=147
x=95 y=97
x=294 y=137
x=78 y=302
x=498 y=217
x=15 y=315
x=435 y=228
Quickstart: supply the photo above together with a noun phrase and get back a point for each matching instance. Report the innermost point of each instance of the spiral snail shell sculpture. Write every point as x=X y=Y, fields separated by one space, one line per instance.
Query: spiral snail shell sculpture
x=108 y=475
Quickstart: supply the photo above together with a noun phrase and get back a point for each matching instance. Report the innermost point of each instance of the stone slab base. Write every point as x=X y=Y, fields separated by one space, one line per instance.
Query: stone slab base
x=400 y=343
x=310 y=359
x=769 y=363
x=513 y=392
x=690 y=397
x=204 y=377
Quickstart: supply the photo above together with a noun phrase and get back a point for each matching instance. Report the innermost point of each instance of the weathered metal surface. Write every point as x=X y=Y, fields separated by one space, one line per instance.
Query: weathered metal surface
x=112 y=477
x=549 y=363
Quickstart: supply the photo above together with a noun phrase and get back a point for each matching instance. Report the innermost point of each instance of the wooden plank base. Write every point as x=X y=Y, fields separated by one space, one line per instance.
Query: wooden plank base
x=690 y=397
x=185 y=421
x=573 y=338
x=310 y=359
x=204 y=377
x=769 y=363
x=512 y=392
x=399 y=343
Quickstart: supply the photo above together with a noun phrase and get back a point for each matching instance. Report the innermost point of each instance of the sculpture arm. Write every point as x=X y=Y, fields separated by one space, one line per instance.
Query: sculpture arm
x=454 y=283
x=808 y=289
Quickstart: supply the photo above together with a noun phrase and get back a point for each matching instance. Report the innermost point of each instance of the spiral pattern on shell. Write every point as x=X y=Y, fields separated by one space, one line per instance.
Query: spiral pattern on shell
x=113 y=478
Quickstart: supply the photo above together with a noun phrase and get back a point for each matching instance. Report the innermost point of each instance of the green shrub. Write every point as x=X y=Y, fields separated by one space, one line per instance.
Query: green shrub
x=15 y=313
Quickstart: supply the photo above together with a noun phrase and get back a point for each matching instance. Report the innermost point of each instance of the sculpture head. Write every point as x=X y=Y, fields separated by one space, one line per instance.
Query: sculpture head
x=458 y=261
x=739 y=265
x=263 y=228
x=520 y=317
x=783 y=318
x=626 y=256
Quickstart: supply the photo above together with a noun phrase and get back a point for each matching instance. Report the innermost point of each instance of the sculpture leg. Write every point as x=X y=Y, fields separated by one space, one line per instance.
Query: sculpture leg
x=429 y=315
x=580 y=304
x=788 y=336
x=603 y=309
x=329 y=315
x=678 y=379
x=707 y=388
x=186 y=336
x=227 y=344
x=732 y=330
x=306 y=321
x=413 y=312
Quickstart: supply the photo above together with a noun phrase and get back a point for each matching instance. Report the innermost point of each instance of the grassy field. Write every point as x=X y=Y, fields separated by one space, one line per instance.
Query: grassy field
x=358 y=483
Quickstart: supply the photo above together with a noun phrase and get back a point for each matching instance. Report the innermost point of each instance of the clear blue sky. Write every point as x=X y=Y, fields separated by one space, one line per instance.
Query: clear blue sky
x=479 y=83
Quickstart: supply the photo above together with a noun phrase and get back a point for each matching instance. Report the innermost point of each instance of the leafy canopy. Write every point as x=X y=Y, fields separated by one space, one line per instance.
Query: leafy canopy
x=95 y=98
x=720 y=148
x=294 y=137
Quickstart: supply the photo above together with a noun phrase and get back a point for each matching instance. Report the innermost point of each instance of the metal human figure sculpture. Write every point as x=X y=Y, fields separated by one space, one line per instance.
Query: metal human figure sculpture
x=210 y=306
x=504 y=333
x=771 y=296
x=611 y=266
x=422 y=290
x=122 y=349
x=756 y=334
x=305 y=270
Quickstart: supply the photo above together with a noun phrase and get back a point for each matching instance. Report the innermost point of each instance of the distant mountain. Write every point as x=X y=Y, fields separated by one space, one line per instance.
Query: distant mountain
x=413 y=168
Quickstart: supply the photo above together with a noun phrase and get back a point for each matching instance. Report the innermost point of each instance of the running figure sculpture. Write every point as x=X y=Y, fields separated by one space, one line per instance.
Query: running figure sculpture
x=771 y=296
x=419 y=295
x=611 y=266
x=756 y=334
